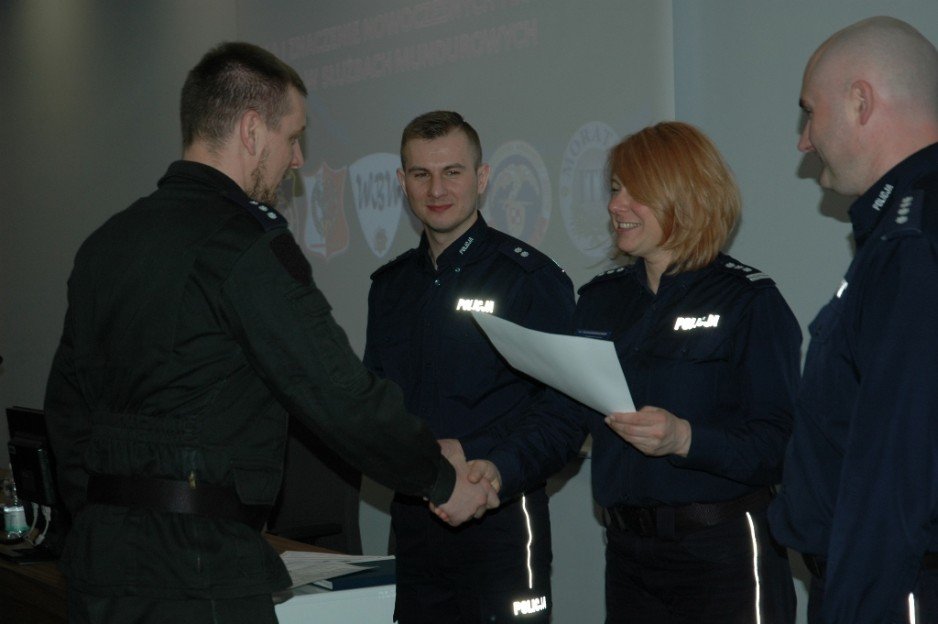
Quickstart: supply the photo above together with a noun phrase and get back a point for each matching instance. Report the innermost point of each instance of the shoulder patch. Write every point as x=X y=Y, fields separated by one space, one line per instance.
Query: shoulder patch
x=607 y=275
x=907 y=216
x=288 y=253
x=754 y=276
x=527 y=257
x=394 y=262
x=268 y=218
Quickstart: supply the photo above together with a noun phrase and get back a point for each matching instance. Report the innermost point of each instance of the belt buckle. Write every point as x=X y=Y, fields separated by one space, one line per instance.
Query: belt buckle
x=647 y=522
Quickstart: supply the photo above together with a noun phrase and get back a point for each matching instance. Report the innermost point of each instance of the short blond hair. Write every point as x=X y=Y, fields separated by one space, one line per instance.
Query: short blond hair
x=675 y=170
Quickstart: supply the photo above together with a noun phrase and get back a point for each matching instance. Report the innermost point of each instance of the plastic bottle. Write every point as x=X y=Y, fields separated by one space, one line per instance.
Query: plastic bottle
x=14 y=513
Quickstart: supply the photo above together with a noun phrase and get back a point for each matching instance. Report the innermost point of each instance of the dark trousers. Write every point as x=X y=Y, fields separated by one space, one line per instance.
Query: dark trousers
x=708 y=575
x=926 y=601
x=482 y=571
x=86 y=608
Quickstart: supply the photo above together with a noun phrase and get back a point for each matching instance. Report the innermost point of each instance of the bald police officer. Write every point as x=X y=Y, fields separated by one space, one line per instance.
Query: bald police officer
x=860 y=486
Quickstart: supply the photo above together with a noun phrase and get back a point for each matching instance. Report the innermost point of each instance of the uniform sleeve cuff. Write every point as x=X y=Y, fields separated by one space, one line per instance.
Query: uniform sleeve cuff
x=706 y=450
x=445 y=483
x=509 y=469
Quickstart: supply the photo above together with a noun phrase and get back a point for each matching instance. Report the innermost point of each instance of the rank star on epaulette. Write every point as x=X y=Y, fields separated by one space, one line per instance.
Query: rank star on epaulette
x=738 y=267
x=265 y=209
x=902 y=215
x=747 y=271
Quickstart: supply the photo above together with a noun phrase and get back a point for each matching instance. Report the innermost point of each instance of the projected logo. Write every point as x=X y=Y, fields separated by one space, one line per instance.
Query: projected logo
x=291 y=200
x=378 y=198
x=518 y=199
x=584 y=189
x=325 y=231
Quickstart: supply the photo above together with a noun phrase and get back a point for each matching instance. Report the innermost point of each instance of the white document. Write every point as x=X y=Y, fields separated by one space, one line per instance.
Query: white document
x=307 y=567
x=586 y=369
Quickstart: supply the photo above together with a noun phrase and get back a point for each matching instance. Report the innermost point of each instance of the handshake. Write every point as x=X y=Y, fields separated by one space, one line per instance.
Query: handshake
x=477 y=485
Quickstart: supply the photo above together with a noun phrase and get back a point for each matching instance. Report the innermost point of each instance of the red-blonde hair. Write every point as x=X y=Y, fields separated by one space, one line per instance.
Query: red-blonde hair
x=675 y=170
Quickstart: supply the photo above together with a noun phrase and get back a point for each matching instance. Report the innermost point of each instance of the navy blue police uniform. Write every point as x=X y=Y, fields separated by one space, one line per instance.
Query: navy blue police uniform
x=859 y=496
x=422 y=336
x=193 y=328
x=718 y=347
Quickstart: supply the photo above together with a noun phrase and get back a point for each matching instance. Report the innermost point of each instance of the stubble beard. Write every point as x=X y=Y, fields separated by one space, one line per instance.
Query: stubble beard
x=260 y=191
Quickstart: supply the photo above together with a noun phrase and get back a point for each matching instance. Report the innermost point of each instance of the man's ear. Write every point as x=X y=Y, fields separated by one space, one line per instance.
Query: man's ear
x=483 y=177
x=863 y=99
x=400 y=181
x=250 y=129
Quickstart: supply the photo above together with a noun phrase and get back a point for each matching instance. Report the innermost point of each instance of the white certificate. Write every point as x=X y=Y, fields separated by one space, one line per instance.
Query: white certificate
x=586 y=369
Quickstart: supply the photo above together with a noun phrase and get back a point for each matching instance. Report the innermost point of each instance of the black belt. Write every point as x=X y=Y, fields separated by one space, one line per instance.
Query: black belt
x=817 y=566
x=213 y=501
x=667 y=521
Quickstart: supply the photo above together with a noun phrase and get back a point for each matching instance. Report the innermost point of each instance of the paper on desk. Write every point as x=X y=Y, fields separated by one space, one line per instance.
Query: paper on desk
x=586 y=369
x=306 y=567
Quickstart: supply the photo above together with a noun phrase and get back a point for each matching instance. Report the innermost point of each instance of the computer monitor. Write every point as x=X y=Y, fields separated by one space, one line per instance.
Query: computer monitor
x=31 y=456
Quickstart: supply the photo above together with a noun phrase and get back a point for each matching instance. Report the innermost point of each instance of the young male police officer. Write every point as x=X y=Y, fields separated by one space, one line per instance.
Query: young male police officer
x=193 y=327
x=860 y=489
x=422 y=336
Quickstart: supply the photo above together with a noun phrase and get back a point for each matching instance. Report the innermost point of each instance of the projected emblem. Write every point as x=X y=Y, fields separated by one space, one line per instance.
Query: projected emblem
x=325 y=231
x=378 y=198
x=518 y=200
x=584 y=189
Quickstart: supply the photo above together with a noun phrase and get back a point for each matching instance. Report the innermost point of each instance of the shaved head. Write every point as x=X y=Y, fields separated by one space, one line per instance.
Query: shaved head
x=900 y=63
x=870 y=98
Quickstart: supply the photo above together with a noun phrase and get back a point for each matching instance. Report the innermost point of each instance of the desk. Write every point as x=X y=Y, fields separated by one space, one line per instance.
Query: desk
x=35 y=594
x=32 y=593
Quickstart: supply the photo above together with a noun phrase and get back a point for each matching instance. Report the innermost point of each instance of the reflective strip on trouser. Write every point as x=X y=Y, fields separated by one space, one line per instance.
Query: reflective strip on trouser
x=530 y=605
x=755 y=568
x=913 y=612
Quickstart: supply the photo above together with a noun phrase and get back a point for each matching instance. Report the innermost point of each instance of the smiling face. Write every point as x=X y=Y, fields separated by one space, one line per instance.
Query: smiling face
x=443 y=186
x=281 y=151
x=830 y=129
x=637 y=230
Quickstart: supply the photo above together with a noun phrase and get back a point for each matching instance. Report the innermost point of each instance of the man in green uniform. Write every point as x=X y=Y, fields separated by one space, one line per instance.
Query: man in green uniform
x=193 y=328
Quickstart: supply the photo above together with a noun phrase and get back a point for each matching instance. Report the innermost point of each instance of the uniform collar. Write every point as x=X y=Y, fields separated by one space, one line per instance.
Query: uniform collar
x=671 y=282
x=867 y=211
x=460 y=251
x=203 y=174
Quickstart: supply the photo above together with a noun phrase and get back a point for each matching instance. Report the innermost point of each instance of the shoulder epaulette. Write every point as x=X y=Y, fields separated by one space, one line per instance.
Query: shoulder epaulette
x=392 y=263
x=907 y=215
x=605 y=276
x=753 y=276
x=524 y=255
x=268 y=218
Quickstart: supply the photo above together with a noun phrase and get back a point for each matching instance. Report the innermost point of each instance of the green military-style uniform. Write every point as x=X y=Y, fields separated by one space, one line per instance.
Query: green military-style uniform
x=193 y=328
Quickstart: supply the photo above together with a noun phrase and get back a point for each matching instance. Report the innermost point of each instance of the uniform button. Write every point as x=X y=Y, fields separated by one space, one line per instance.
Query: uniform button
x=457 y=269
x=436 y=282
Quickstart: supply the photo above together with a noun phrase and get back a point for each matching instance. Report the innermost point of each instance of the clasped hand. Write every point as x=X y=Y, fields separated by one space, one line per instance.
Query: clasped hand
x=653 y=431
x=477 y=485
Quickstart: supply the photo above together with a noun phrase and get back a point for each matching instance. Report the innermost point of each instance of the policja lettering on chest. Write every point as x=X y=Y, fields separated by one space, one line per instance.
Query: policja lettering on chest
x=687 y=323
x=475 y=305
